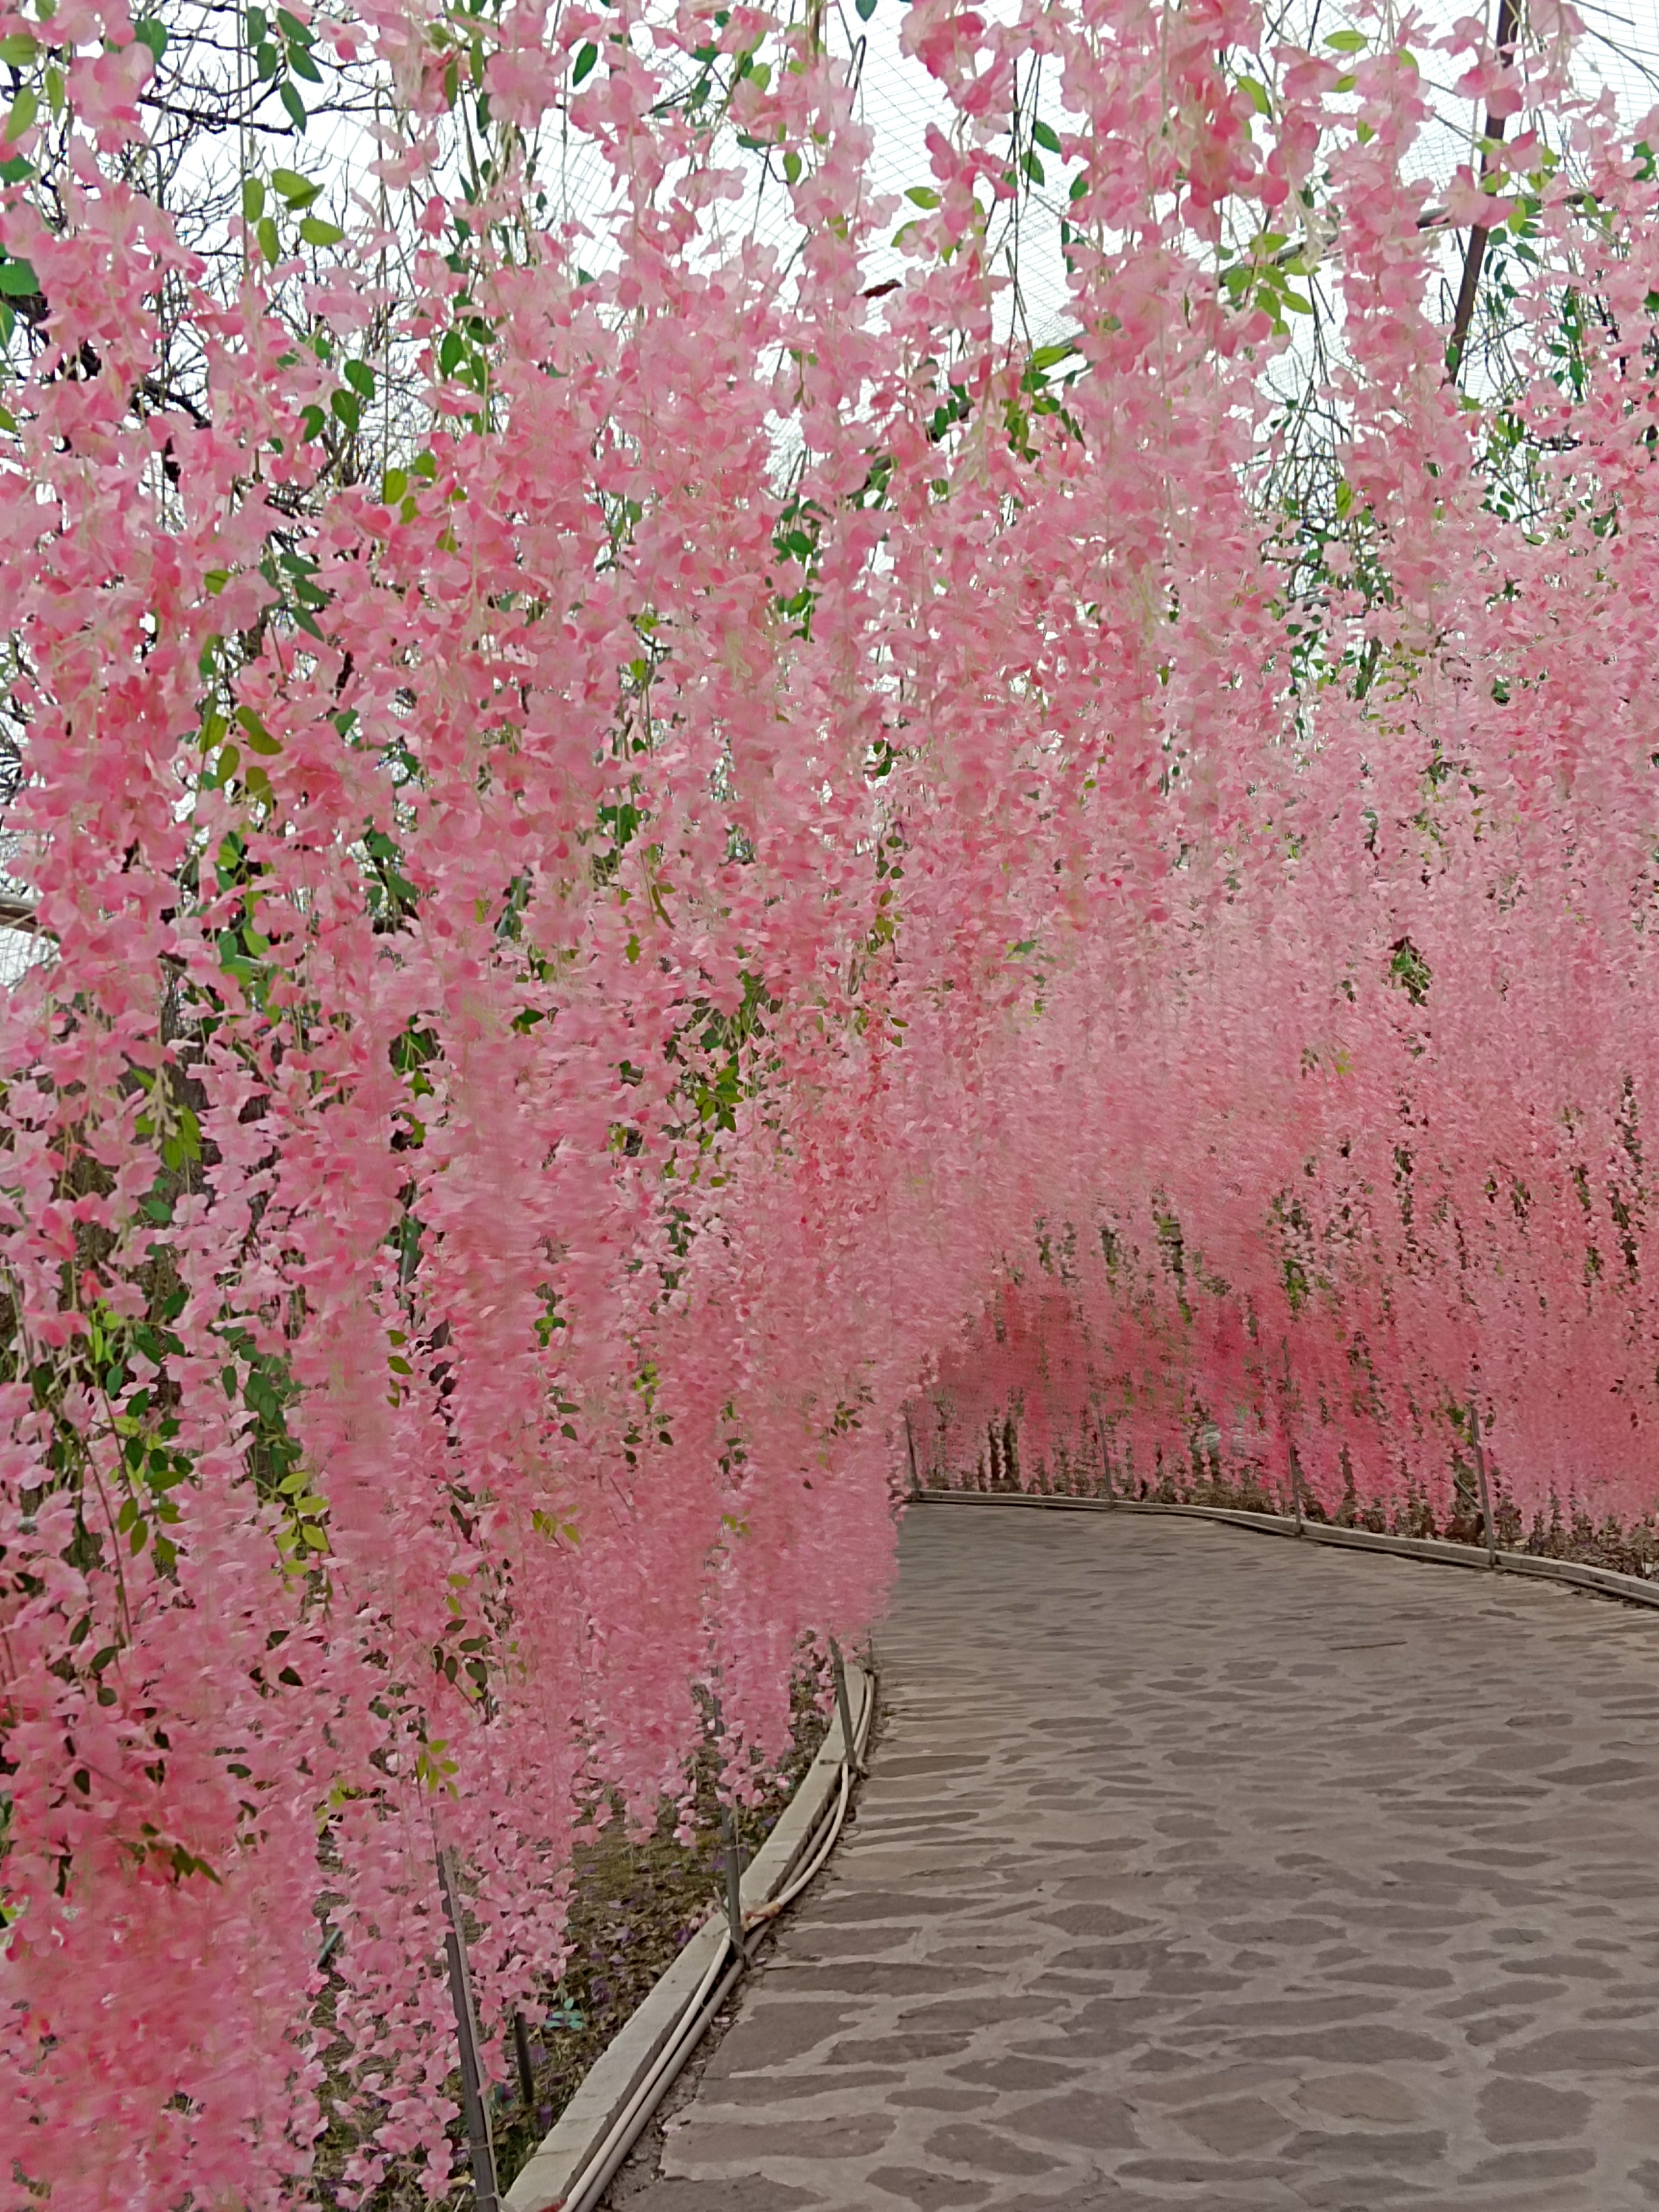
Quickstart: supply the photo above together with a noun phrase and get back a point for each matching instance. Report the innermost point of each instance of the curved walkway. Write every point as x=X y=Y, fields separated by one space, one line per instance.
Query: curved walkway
x=1201 y=1870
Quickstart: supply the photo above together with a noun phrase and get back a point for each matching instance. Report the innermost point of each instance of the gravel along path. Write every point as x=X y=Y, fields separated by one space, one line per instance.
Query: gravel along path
x=1204 y=1870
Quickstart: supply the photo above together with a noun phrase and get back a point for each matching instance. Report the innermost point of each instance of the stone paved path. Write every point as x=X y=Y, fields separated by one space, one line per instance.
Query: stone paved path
x=1198 y=1868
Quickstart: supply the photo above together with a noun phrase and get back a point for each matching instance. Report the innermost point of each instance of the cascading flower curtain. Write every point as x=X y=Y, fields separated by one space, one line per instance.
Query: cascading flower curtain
x=648 y=848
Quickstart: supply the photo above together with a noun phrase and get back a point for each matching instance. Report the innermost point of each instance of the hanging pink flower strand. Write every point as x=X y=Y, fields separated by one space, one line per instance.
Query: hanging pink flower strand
x=651 y=850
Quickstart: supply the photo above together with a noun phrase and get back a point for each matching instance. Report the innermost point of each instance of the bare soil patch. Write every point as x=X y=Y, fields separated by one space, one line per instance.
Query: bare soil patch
x=636 y=1903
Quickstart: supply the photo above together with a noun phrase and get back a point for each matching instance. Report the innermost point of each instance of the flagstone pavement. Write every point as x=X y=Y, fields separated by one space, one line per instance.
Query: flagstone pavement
x=1203 y=1869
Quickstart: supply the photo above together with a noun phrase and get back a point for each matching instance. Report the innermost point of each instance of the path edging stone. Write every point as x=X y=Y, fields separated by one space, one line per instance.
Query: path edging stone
x=1607 y=1580
x=544 y=2181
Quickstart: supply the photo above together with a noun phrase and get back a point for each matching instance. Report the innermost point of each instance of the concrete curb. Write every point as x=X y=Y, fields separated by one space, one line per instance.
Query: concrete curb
x=617 y=2072
x=1437 y=1548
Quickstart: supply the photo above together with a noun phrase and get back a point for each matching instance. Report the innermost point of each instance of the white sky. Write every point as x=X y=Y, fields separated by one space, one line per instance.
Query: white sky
x=1620 y=47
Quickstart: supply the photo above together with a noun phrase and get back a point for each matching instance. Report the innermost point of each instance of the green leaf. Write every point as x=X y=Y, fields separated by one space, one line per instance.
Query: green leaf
x=303 y=65
x=360 y=377
x=24 y=109
x=253 y=199
x=315 y=232
x=259 y=740
x=1034 y=168
x=265 y=232
x=1079 y=186
x=585 y=58
x=393 y=485
x=295 y=106
x=1046 y=136
x=151 y=32
x=18 y=51
x=1257 y=95
x=298 y=191
x=866 y=9
x=18 y=280
x=294 y=30
x=922 y=196
x=258 y=28
x=311 y=424
x=792 y=168
x=1347 y=42
x=347 y=408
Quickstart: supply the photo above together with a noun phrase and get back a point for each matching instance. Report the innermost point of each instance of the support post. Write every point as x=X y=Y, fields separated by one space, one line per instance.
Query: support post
x=910 y=1446
x=1480 y=1477
x=733 y=1878
x=1105 y=1459
x=1289 y=1442
x=729 y=1848
x=844 y=1707
x=526 y=2067
x=474 y=2096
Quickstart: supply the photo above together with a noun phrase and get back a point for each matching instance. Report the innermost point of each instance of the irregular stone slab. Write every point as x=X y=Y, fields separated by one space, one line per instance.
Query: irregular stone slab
x=1201 y=1871
x=929 y=2192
